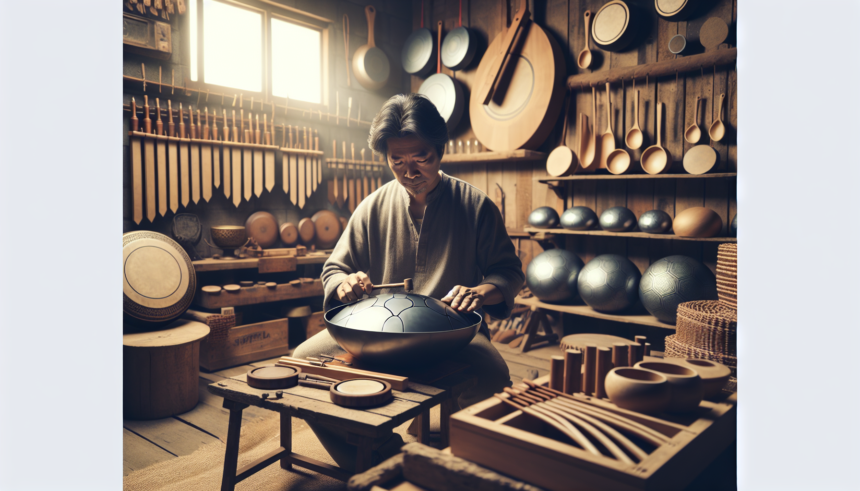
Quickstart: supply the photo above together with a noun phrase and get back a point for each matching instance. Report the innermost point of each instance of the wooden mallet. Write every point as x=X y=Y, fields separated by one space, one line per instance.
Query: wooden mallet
x=407 y=285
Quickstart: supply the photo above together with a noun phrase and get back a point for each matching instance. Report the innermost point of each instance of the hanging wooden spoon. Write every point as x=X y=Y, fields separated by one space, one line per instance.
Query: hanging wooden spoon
x=634 y=136
x=562 y=161
x=588 y=159
x=584 y=58
x=718 y=130
x=607 y=139
x=655 y=159
x=694 y=133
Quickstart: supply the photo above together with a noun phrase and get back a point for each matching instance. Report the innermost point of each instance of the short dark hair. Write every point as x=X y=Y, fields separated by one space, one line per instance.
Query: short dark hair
x=404 y=115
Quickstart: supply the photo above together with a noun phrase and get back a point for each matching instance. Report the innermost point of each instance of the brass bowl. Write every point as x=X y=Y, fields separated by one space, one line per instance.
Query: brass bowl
x=228 y=236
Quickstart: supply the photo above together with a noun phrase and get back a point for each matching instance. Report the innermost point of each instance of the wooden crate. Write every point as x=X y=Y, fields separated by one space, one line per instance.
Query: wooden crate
x=246 y=344
x=504 y=439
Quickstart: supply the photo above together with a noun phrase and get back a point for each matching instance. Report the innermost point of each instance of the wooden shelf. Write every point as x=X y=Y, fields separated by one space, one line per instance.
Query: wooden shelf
x=546 y=232
x=598 y=177
x=258 y=294
x=209 y=264
x=486 y=157
x=586 y=311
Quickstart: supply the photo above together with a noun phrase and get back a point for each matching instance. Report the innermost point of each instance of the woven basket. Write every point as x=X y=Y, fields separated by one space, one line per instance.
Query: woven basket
x=676 y=349
x=703 y=336
x=218 y=327
x=709 y=312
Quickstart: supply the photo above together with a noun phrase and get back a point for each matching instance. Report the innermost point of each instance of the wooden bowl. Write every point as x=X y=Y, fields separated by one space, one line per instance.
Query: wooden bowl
x=360 y=393
x=697 y=222
x=273 y=377
x=687 y=387
x=228 y=236
x=637 y=389
x=714 y=375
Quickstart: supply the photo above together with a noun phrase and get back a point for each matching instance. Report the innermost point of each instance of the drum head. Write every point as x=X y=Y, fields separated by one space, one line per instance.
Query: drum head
x=417 y=53
x=158 y=278
x=445 y=93
x=458 y=48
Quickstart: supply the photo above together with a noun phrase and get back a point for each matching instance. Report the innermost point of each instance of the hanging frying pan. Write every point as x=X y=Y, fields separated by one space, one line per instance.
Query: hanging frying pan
x=459 y=46
x=615 y=25
x=418 y=51
x=444 y=92
x=369 y=63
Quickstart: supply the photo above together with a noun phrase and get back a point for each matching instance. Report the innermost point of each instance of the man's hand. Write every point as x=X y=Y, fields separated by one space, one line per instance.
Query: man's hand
x=464 y=299
x=353 y=287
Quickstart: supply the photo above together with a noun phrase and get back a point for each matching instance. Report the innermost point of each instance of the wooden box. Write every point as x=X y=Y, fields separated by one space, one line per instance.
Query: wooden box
x=246 y=344
x=495 y=435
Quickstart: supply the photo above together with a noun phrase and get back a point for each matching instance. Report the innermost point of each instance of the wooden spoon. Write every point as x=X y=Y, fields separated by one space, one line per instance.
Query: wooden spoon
x=586 y=153
x=562 y=161
x=655 y=159
x=693 y=133
x=584 y=58
x=634 y=136
x=607 y=139
x=590 y=133
x=718 y=130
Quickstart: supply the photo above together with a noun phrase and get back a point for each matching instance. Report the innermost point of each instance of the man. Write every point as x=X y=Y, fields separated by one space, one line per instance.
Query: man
x=442 y=232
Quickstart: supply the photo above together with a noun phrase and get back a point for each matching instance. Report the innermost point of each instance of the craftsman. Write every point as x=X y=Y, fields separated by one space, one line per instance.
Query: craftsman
x=445 y=234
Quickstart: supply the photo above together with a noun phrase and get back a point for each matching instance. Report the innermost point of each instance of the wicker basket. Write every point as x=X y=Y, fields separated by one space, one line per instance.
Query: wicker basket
x=703 y=336
x=676 y=349
x=709 y=312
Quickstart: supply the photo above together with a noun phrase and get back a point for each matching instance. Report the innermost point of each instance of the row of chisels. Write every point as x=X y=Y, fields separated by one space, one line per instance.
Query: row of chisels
x=352 y=180
x=171 y=166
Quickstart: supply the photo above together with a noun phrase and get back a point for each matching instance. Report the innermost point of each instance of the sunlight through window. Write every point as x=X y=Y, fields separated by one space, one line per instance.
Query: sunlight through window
x=296 y=66
x=232 y=46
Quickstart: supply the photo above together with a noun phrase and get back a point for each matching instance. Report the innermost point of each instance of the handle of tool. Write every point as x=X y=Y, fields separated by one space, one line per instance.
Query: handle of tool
x=134 y=120
x=370 y=12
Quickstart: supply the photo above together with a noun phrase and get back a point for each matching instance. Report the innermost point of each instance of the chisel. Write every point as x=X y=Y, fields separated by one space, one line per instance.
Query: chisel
x=172 y=158
x=149 y=162
x=308 y=166
x=183 y=160
x=294 y=178
x=205 y=156
x=318 y=158
x=353 y=198
x=269 y=154
x=258 y=159
x=313 y=159
x=226 y=157
x=285 y=160
x=236 y=163
x=301 y=166
x=195 y=157
x=216 y=151
x=161 y=160
x=246 y=157
x=136 y=167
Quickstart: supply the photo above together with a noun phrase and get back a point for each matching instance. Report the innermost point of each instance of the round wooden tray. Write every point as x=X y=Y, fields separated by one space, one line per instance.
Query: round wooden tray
x=274 y=377
x=289 y=234
x=262 y=227
x=159 y=281
x=327 y=228
x=360 y=393
x=307 y=231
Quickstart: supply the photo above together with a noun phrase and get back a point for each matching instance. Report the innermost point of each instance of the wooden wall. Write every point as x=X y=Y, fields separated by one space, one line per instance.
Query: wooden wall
x=564 y=20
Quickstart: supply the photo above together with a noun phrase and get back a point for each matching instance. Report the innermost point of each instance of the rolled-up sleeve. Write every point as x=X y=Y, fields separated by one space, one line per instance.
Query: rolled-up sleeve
x=349 y=256
x=497 y=259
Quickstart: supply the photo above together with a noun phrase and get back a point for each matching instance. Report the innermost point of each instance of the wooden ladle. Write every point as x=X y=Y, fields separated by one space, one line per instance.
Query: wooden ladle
x=655 y=159
x=607 y=139
x=634 y=135
x=718 y=130
x=694 y=133
x=584 y=58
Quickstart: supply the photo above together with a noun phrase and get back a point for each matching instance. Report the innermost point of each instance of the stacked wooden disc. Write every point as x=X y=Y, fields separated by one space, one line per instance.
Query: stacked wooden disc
x=705 y=329
x=727 y=275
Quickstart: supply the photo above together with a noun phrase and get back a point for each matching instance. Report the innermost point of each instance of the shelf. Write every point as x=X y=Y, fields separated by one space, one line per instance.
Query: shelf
x=599 y=177
x=258 y=294
x=586 y=311
x=546 y=232
x=486 y=157
x=209 y=264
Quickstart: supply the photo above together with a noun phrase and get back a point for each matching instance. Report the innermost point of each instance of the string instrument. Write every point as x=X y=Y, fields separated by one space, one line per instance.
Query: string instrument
x=519 y=86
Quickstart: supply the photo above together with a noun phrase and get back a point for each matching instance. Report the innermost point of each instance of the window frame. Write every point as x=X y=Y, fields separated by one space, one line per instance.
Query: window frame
x=269 y=10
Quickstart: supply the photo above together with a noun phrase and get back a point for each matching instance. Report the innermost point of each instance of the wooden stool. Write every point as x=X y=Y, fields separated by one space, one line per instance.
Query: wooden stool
x=160 y=370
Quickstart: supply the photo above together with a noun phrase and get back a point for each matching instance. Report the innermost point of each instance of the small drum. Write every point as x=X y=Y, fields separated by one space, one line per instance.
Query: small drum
x=273 y=377
x=360 y=393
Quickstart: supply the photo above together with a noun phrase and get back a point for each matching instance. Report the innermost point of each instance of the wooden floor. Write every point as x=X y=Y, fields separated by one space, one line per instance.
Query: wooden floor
x=149 y=442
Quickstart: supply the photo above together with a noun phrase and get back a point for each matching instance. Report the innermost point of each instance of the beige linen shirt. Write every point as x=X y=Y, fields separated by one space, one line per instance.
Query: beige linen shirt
x=462 y=241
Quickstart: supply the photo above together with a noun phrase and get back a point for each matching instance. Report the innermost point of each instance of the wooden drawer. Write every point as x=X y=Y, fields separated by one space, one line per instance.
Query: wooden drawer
x=246 y=344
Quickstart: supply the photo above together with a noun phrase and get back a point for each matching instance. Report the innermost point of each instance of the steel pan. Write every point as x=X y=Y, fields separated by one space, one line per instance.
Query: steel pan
x=402 y=329
x=417 y=54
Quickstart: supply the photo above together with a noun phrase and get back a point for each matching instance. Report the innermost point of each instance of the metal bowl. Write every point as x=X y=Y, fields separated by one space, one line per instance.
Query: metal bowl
x=228 y=236
x=400 y=328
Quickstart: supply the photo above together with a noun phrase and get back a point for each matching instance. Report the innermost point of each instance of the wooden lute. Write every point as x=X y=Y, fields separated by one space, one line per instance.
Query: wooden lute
x=519 y=86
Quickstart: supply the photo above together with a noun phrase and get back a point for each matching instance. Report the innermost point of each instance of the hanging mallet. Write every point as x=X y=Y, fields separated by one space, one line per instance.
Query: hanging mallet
x=407 y=285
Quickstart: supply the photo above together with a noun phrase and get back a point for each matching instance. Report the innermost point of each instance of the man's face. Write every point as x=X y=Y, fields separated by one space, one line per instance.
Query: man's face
x=414 y=163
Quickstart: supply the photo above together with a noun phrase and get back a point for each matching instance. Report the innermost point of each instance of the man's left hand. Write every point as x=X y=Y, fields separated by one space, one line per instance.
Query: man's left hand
x=465 y=299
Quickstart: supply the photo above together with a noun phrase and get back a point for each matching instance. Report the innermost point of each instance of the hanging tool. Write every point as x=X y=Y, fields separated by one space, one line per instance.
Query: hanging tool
x=216 y=151
x=172 y=160
x=195 y=155
x=345 y=193
x=136 y=167
x=294 y=176
x=285 y=161
x=258 y=158
x=235 y=164
x=247 y=161
x=149 y=162
x=335 y=192
x=301 y=177
x=317 y=167
x=352 y=192
x=346 y=48
x=184 y=184
x=205 y=156
x=161 y=160
x=308 y=166
x=269 y=153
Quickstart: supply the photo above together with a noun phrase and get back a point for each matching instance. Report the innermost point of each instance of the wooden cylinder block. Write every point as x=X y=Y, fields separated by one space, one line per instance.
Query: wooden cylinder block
x=604 y=364
x=640 y=339
x=572 y=371
x=556 y=373
x=646 y=350
x=620 y=355
x=160 y=370
x=635 y=354
x=590 y=366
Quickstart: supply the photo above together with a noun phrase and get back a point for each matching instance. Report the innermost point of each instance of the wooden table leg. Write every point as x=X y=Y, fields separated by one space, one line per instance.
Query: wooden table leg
x=364 y=452
x=424 y=427
x=445 y=410
x=231 y=456
x=286 y=438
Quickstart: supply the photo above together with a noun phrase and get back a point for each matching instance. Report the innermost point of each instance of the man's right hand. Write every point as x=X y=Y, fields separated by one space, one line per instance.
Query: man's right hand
x=353 y=287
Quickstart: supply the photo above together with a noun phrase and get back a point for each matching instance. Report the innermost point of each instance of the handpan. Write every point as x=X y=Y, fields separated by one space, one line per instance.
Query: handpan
x=400 y=328
x=158 y=279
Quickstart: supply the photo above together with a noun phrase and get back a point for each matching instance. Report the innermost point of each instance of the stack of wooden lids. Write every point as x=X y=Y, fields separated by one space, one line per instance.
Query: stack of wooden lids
x=705 y=329
x=727 y=275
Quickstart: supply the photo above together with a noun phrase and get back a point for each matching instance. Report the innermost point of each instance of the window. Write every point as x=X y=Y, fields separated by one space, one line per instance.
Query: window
x=257 y=46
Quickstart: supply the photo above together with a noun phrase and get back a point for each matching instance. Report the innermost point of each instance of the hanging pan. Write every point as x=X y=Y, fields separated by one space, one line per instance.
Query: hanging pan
x=459 y=46
x=418 y=51
x=615 y=26
x=444 y=92
x=369 y=63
